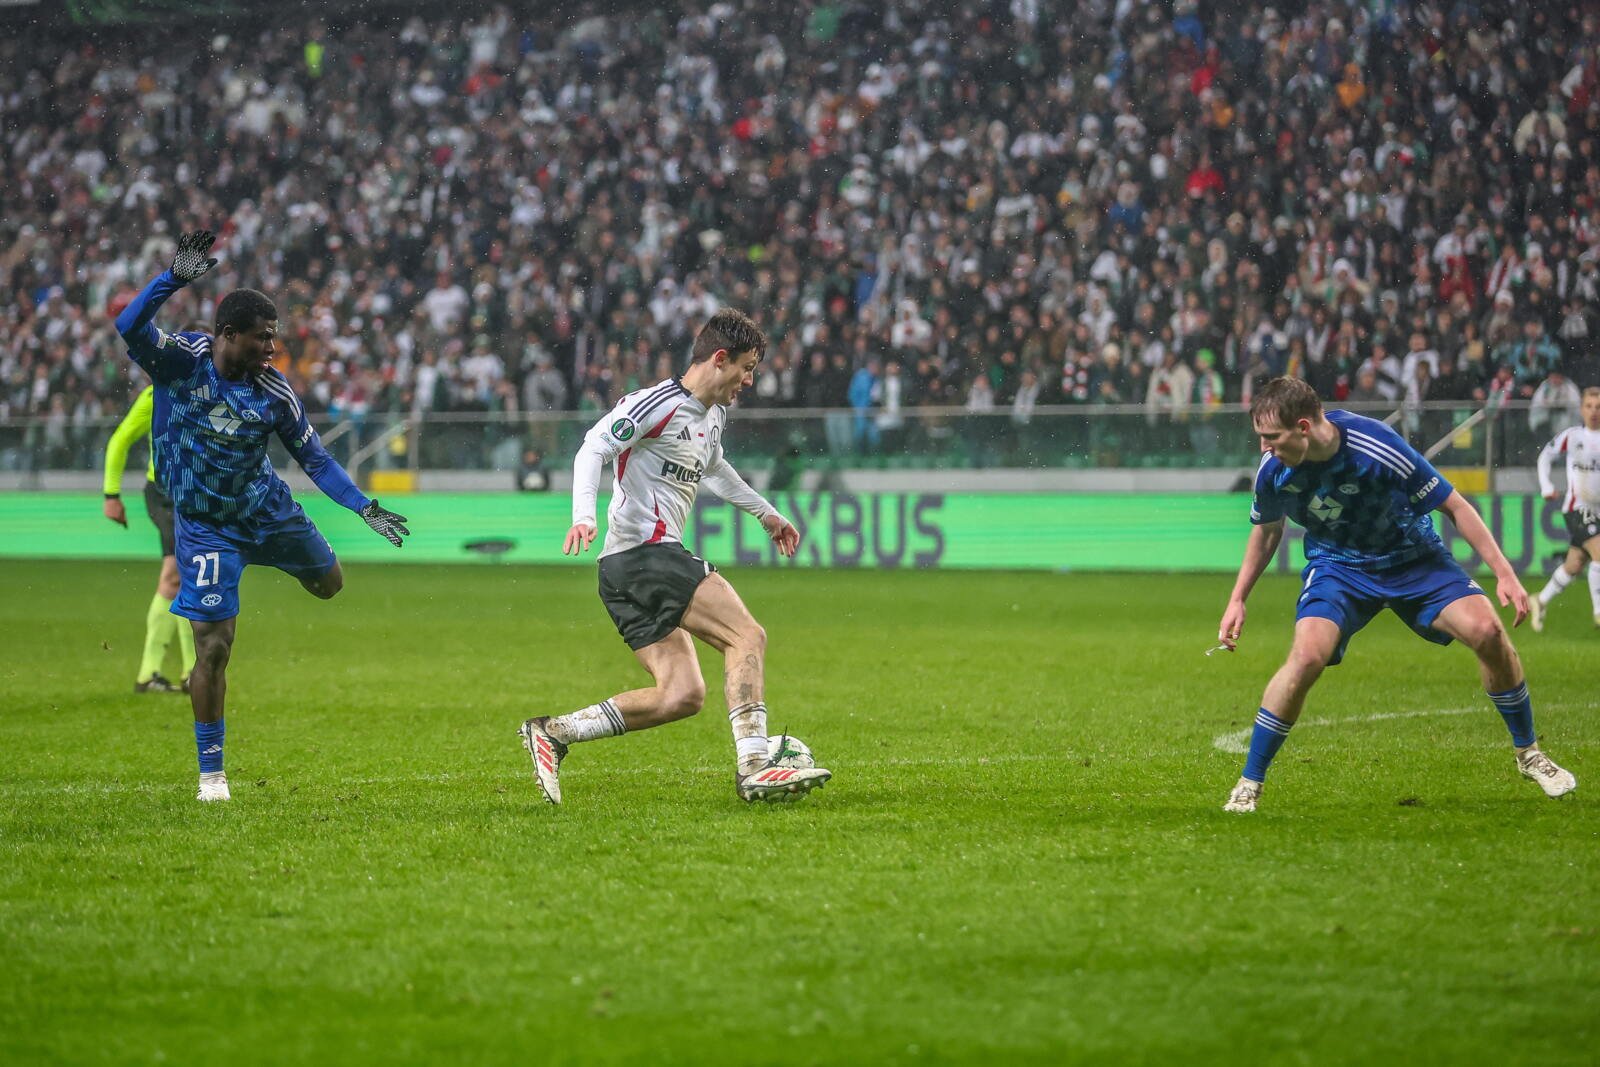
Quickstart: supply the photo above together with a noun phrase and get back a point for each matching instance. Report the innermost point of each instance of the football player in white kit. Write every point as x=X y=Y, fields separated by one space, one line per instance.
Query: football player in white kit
x=664 y=443
x=1580 y=505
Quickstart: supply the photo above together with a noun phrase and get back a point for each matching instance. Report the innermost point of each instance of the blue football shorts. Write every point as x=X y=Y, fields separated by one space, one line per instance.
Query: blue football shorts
x=212 y=557
x=1351 y=598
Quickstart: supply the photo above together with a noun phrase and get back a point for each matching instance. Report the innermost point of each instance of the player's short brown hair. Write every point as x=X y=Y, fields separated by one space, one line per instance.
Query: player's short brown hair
x=1593 y=390
x=729 y=329
x=1285 y=401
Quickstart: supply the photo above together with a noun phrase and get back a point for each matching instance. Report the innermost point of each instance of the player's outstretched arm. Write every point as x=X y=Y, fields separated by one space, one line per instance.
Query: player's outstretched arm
x=606 y=440
x=586 y=470
x=721 y=478
x=303 y=443
x=163 y=356
x=1259 y=549
x=1508 y=587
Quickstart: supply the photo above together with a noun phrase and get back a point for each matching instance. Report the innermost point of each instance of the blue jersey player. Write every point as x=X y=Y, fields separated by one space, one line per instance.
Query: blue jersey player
x=218 y=403
x=1364 y=497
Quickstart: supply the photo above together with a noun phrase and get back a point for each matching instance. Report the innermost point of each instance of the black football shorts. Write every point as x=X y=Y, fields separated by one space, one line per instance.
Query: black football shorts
x=648 y=588
x=1583 y=526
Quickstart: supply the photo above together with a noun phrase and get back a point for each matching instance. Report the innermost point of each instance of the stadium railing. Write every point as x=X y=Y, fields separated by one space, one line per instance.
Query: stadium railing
x=1047 y=438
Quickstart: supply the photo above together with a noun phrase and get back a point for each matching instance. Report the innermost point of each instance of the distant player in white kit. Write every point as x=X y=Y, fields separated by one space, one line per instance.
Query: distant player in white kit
x=664 y=442
x=1580 y=505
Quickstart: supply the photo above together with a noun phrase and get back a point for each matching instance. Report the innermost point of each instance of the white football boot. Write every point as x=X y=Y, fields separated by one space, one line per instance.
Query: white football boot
x=1244 y=796
x=547 y=754
x=1555 y=781
x=213 y=786
x=1536 y=614
x=772 y=783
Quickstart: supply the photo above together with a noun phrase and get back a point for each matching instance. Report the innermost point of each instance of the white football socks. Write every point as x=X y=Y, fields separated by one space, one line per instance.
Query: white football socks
x=749 y=722
x=1559 y=579
x=588 y=724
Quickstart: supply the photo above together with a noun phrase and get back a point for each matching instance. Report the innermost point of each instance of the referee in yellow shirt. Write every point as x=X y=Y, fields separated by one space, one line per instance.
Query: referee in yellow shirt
x=160 y=625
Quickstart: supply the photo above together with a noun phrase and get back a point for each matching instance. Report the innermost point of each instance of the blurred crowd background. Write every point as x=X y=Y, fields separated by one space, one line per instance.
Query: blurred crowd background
x=994 y=207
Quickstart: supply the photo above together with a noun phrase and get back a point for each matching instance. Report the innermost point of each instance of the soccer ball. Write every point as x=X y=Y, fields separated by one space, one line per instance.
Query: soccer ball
x=786 y=751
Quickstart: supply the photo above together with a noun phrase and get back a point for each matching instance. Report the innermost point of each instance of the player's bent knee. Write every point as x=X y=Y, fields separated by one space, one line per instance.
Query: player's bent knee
x=680 y=706
x=212 y=651
x=1308 y=662
x=1487 y=635
x=754 y=636
x=684 y=699
x=327 y=586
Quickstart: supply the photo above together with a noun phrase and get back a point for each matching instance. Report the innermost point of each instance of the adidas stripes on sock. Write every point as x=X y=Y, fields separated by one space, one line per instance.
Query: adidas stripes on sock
x=1268 y=736
x=208 y=738
x=1516 y=707
x=588 y=724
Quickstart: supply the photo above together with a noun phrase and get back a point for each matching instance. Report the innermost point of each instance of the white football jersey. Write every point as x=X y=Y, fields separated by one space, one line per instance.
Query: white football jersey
x=663 y=443
x=1581 y=446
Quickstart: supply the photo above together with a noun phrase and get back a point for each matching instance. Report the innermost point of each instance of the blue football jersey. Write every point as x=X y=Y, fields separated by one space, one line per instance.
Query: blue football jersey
x=210 y=434
x=1366 y=507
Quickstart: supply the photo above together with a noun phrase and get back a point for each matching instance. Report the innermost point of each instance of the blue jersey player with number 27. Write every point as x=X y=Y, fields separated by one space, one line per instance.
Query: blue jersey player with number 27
x=218 y=402
x=1364 y=496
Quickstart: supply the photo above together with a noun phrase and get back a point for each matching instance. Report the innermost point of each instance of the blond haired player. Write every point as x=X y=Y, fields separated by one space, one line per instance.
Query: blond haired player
x=1365 y=498
x=664 y=443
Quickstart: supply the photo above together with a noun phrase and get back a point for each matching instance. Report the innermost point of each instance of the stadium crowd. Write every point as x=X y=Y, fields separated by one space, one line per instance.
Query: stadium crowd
x=991 y=205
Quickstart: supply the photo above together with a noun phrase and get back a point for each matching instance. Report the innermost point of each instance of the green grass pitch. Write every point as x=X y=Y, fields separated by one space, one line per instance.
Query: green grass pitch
x=1021 y=858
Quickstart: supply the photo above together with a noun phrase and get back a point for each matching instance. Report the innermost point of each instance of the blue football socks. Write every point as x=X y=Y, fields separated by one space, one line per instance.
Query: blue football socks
x=208 y=742
x=1268 y=736
x=1517 y=709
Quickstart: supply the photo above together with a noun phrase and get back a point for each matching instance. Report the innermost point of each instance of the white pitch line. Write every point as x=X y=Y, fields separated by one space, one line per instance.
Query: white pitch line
x=1234 y=741
x=342 y=784
x=1238 y=741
